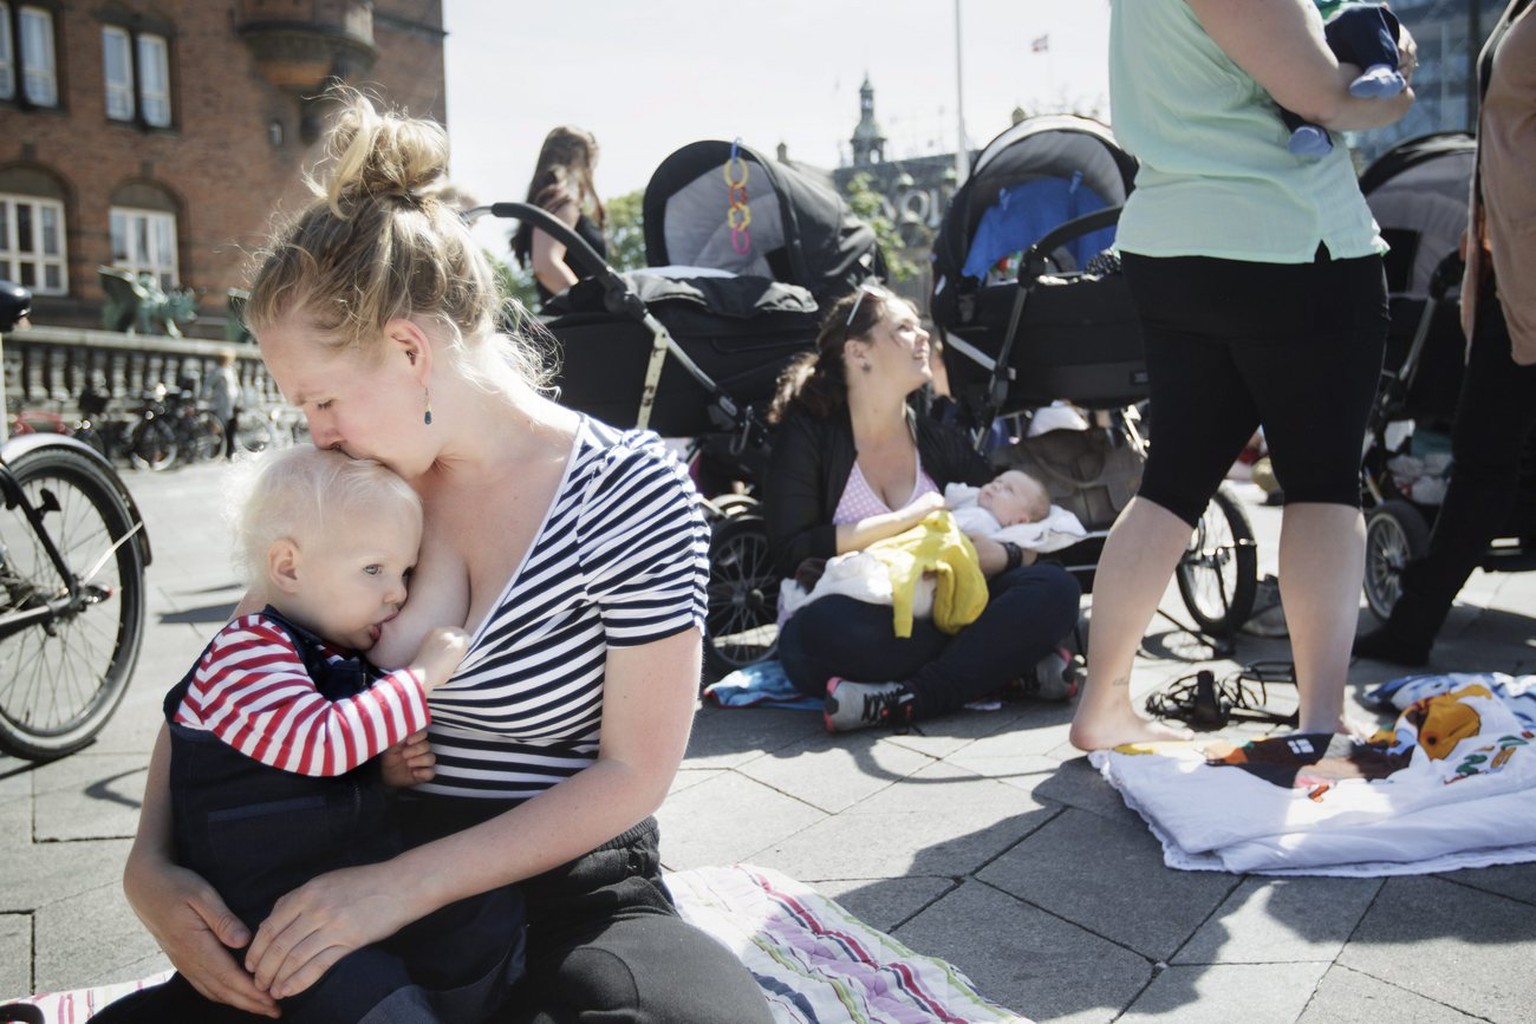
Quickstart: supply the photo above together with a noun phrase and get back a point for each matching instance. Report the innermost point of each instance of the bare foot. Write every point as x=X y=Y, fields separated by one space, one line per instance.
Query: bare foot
x=1112 y=728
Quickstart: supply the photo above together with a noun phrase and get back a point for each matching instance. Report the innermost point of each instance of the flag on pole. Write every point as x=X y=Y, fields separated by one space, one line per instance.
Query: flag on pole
x=1040 y=44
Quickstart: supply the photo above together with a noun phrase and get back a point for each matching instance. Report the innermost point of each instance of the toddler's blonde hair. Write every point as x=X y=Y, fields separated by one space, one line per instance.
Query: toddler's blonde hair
x=307 y=491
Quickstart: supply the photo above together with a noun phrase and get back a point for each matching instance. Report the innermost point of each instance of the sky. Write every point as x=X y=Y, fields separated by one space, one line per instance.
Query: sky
x=647 y=77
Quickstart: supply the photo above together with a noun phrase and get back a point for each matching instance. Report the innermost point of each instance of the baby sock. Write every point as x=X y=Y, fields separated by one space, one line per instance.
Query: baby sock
x=1310 y=140
x=1379 y=82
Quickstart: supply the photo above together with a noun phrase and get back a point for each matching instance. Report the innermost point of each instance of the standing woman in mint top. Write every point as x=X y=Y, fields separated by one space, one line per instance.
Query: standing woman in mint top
x=575 y=556
x=561 y=184
x=1258 y=280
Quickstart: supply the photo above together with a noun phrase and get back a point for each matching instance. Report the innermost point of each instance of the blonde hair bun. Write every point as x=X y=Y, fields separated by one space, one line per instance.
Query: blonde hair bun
x=382 y=155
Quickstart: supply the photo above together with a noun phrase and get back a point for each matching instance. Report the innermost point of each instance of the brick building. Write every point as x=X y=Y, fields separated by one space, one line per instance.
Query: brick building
x=162 y=135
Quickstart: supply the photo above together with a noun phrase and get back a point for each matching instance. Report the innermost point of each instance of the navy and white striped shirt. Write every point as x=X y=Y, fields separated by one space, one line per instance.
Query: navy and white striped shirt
x=622 y=559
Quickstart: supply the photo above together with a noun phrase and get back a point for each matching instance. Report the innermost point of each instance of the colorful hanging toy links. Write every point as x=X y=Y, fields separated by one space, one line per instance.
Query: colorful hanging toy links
x=738 y=215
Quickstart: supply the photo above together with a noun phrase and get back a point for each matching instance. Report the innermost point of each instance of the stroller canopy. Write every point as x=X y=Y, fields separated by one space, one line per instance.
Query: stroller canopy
x=1418 y=192
x=1034 y=177
x=800 y=230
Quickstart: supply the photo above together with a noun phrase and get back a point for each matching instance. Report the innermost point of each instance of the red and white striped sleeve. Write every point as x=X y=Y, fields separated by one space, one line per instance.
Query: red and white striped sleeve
x=250 y=690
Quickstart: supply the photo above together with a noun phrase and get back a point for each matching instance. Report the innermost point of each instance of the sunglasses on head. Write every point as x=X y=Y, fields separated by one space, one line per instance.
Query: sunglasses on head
x=864 y=289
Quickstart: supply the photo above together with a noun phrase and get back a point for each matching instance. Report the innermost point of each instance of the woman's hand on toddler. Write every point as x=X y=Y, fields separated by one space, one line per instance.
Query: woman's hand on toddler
x=409 y=762
x=439 y=655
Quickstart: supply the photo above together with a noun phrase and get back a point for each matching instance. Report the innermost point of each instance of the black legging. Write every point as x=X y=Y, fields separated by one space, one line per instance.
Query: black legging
x=1231 y=345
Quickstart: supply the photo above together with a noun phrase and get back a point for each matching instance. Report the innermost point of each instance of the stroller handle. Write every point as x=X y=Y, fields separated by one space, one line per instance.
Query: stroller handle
x=617 y=296
x=1032 y=265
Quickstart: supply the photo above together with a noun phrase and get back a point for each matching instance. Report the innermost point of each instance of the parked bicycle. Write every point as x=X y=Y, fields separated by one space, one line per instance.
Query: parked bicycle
x=199 y=433
x=171 y=426
x=72 y=556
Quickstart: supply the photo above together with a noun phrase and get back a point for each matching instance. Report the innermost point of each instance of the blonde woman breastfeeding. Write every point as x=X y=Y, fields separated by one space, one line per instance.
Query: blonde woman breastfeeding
x=572 y=553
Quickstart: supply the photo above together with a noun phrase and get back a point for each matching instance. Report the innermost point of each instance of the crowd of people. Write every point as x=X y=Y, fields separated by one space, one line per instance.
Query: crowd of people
x=472 y=638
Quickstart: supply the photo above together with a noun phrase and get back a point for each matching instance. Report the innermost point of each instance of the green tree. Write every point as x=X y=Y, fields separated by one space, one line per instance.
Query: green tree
x=626 y=230
x=868 y=205
x=513 y=281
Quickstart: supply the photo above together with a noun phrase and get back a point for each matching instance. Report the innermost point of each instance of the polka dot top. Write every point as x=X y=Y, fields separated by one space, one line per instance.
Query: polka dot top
x=859 y=500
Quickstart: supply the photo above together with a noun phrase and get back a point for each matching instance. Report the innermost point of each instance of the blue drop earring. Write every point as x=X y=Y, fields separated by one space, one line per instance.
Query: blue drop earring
x=427 y=414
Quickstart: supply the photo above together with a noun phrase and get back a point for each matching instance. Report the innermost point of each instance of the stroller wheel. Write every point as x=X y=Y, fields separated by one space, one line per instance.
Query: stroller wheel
x=741 y=620
x=1395 y=534
x=730 y=506
x=1218 y=576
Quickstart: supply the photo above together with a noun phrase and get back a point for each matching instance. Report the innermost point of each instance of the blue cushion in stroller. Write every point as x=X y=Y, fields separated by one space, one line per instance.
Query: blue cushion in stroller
x=1028 y=210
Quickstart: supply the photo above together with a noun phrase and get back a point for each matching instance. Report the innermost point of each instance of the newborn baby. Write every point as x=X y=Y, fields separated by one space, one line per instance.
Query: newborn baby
x=1012 y=497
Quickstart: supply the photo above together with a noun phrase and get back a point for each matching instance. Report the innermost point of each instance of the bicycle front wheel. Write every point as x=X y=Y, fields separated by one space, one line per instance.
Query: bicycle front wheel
x=63 y=677
x=154 y=445
x=205 y=437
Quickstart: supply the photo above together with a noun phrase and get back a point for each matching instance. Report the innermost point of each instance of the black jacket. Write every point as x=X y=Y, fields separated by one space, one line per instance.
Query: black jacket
x=812 y=457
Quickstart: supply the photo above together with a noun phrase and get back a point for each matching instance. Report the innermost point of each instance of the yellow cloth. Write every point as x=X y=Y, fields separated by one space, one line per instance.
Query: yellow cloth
x=935 y=546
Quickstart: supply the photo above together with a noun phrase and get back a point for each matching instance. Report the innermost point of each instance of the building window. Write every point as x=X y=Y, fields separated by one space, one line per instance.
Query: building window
x=32 y=244
x=155 y=80
x=117 y=69
x=26 y=49
x=144 y=242
x=136 y=67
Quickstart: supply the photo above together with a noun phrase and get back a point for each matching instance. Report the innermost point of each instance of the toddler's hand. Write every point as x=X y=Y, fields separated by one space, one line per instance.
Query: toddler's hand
x=408 y=762
x=439 y=654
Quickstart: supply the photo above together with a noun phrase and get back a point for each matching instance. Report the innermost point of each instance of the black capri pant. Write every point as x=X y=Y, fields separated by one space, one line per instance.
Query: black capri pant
x=1231 y=345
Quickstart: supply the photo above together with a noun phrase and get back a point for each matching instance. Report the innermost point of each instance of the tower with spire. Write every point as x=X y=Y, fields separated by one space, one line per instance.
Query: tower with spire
x=868 y=141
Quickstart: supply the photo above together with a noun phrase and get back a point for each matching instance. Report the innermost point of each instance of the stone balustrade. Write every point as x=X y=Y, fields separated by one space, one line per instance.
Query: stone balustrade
x=47 y=367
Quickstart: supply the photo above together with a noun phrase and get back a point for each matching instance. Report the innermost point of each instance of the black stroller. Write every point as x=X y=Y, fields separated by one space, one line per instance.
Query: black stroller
x=1032 y=314
x=743 y=253
x=1418 y=194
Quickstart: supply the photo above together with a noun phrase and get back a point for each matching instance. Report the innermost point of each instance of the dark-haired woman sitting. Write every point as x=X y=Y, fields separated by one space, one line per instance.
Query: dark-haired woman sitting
x=853 y=465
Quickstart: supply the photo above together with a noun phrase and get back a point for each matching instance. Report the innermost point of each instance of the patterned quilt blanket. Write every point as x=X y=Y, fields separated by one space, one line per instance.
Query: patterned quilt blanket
x=1451 y=785
x=814 y=961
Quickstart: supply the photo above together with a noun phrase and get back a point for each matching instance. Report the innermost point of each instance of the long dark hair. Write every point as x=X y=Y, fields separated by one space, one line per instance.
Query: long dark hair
x=562 y=175
x=818 y=381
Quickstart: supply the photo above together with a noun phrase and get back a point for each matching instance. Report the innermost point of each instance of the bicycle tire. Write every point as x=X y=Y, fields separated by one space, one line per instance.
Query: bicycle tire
x=155 y=445
x=204 y=436
x=254 y=432
x=60 y=685
x=743 y=596
x=1218 y=575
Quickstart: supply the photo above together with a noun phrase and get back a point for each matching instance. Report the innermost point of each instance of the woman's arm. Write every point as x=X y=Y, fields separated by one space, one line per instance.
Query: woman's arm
x=548 y=253
x=181 y=910
x=860 y=535
x=993 y=557
x=1281 y=45
x=648 y=699
x=792 y=495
